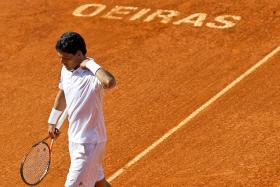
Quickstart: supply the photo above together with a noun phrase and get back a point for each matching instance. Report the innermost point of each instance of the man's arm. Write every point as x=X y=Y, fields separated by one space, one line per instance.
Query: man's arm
x=60 y=102
x=59 y=105
x=106 y=78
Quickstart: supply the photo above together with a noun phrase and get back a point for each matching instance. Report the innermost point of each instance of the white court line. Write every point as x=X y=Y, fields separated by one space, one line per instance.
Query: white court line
x=195 y=113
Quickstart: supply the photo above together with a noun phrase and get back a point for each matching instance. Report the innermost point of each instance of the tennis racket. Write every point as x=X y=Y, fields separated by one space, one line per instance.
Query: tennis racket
x=35 y=164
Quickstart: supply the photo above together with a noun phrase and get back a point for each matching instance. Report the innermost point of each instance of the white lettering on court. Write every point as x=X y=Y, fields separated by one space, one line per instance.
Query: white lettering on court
x=222 y=19
x=119 y=10
x=79 y=11
x=196 y=19
x=140 y=14
x=165 y=15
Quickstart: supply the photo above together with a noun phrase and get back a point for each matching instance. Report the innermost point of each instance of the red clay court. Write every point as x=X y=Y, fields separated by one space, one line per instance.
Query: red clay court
x=206 y=70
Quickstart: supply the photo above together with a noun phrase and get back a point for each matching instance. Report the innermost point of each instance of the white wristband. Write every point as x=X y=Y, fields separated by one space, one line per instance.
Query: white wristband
x=54 y=115
x=92 y=66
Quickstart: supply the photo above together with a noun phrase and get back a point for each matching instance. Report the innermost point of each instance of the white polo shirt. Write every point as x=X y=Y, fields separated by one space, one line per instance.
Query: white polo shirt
x=83 y=93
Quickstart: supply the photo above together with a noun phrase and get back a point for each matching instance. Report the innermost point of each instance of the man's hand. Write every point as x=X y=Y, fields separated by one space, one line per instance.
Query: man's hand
x=83 y=64
x=105 y=77
x=53 y=132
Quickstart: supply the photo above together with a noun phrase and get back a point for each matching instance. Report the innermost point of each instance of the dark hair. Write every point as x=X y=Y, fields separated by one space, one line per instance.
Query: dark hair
x=71 y=42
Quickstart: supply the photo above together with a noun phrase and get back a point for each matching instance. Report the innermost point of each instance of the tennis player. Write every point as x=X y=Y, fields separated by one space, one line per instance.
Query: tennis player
x=81 y=88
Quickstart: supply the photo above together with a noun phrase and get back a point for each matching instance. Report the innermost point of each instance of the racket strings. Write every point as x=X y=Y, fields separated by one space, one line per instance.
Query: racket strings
x=36 y=163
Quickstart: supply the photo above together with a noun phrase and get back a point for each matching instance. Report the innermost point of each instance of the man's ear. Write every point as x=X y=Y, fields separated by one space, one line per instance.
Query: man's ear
x=79 y=53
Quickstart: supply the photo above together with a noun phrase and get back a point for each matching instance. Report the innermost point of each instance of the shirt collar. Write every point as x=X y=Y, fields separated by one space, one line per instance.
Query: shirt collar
x=79 y=70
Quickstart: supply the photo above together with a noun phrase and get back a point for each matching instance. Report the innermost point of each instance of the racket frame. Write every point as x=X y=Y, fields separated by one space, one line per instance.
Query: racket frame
x=49 y=162
x=58 y=126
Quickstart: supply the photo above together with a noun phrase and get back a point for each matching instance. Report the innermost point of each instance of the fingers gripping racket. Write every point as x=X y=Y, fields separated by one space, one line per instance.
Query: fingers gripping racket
x=36 y=163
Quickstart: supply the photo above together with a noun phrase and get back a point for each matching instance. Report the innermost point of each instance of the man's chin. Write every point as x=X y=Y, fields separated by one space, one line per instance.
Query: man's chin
x=69 y=69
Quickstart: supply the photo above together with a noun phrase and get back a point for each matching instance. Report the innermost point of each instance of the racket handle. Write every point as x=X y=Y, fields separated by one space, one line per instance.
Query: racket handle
x=61 y=119
x=51 y=144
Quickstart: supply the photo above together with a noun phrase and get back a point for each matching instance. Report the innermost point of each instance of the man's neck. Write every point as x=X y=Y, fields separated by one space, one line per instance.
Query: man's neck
x=82 y=59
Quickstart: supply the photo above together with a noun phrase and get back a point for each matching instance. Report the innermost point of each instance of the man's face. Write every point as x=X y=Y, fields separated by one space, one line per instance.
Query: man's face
x=70 y=61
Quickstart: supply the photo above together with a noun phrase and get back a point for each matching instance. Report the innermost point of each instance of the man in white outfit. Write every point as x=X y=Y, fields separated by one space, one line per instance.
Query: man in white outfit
x=81 y=87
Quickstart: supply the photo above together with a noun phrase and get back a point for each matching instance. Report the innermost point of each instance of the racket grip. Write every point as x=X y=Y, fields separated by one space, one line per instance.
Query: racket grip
x=61 y=119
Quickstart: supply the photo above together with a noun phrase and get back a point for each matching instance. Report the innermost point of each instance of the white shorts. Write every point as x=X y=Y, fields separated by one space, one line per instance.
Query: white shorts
x=86 y=164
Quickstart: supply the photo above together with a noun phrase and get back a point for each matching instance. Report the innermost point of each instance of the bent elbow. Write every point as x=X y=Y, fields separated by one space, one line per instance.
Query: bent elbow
x=110 y=83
